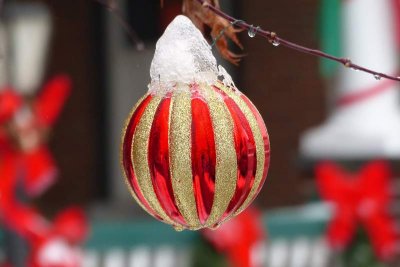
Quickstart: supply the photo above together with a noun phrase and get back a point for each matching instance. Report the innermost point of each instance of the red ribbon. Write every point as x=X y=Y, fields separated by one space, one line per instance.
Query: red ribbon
x=360 y=199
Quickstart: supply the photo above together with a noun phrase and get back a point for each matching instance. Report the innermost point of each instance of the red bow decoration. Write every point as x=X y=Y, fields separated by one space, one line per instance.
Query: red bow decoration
x=359 y=198
x=239 y=238
x=18 y=157
x=63 y=236
x=25 y=161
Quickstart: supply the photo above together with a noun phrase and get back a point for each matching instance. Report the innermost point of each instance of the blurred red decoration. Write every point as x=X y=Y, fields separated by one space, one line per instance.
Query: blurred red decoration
x=10 y=102
x=26 y=164
x=239 y=239
x=359 y=198
x=24 y=157
x=71 y=224
x=196 y=156
x=52 y=244
x=60 y=245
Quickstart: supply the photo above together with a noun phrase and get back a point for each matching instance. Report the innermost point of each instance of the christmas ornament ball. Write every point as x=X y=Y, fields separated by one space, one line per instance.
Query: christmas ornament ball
x=195 y=155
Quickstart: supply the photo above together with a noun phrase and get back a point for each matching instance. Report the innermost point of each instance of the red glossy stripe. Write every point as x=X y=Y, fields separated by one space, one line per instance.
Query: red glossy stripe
x=126 y=154
x=158 y=158
x=203 y=156
x=265 y=136
x=245 y=152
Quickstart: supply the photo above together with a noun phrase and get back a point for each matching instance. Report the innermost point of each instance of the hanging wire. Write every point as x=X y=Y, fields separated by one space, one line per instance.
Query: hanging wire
x=112 y=6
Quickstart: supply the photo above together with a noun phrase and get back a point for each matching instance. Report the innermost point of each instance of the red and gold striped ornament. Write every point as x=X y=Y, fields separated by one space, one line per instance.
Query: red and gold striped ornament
x=195 y=155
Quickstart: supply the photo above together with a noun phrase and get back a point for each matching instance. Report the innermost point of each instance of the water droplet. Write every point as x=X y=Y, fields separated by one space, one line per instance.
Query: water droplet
x=275 y=42
x=355 y=69
x=377 y=77
x=253 y=31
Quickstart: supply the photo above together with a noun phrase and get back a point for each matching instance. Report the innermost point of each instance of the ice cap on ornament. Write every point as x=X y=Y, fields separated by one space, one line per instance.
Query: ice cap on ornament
x=183 y=56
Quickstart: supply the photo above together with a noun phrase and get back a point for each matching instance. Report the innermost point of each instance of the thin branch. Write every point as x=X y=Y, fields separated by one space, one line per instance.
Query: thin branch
x=273 y=38
x=112 y=6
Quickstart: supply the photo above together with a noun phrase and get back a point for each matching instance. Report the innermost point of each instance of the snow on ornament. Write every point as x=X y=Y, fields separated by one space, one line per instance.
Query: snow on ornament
x=195 y=150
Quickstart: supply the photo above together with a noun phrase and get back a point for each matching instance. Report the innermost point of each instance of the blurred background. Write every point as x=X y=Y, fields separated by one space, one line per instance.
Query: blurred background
x=314 y=112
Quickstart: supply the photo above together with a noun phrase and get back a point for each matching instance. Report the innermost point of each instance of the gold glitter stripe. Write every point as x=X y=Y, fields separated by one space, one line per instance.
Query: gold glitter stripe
x=139 y=156
x=128 y=184
x=258 y=138
x=180 y=156
x=226 y=161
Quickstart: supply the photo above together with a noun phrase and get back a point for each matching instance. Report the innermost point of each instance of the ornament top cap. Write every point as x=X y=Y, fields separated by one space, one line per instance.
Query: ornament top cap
x=182 y=56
